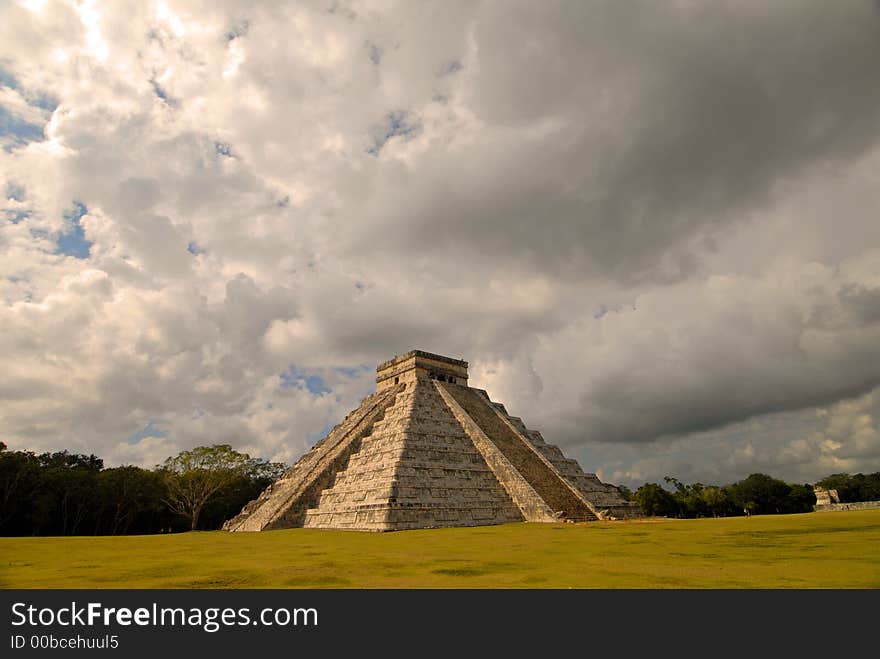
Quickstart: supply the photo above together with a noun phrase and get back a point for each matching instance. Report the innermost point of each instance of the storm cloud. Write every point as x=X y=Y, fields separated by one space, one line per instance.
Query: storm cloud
x=650 y=227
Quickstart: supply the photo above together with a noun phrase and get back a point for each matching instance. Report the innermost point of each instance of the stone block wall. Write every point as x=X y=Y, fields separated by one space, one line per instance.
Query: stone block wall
x=418 y=469
x=605 y=500
x=855 y=505
x=559 y=497
x=283 y=504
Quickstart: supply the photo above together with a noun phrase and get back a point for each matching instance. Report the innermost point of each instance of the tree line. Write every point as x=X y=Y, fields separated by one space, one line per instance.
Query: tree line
x=758 y=494
x=64 y=493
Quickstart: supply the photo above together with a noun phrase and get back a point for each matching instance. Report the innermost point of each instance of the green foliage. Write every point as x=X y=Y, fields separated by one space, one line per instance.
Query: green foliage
x=801 y=499
x=130 y=499
x=716 y=501
x=64 y=493
x=755 y=495
x=857 y=487
x=65 y=460
x=19 y=475
x=766 y=494
x=656 y=501
x=762 y=494
x=199 y=476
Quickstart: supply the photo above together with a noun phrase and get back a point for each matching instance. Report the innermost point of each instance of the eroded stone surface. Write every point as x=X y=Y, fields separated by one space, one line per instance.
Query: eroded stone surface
x=825 y=497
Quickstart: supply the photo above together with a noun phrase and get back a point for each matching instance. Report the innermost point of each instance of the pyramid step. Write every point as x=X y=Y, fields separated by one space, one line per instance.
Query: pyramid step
x=432 y=475
x=284 y=503
x=522 y=455
x=605 y=500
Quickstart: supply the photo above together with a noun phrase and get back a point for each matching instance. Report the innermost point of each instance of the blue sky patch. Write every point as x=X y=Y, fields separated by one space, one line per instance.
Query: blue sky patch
x=15 y=193
x=7 y=79
x=15 y=216
x=44 y=102
x=396 y=124
x=17 y=132
x=73 y=242
x=194 y=249
x=311 y=382
x=374 y=53
x=14 y=131
x=38 y=100
x=149 y=430
x=160 y=92
x=223 y=149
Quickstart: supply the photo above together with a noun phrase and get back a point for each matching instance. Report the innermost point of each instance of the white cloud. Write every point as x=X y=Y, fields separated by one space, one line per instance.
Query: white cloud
x=326 y=186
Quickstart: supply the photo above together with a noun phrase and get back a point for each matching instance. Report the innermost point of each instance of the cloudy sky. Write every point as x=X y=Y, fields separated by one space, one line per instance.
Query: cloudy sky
x=652 y=228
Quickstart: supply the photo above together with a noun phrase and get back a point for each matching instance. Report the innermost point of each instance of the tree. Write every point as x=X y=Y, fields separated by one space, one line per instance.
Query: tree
x=716 y=501
x=800 y=499
x=65 y=496
x=870 y=489
x=844 y=484
x=124 y=494
x=656 y=501
x=761 y=494
x=692 y=501
x=857 y=487
x=65 y=459
x=19 y=474
x=74 y=495
x=193 y=478
x=231 y=499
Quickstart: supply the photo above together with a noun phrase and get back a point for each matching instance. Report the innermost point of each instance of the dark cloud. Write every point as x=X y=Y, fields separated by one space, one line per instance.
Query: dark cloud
x=862 y=302
x=711 y=355
x=620 y=137
x=648 y=226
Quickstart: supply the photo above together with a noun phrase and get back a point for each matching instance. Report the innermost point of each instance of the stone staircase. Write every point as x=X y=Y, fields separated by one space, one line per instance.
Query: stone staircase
x=417 y=469
x=284 y=503
x=524 y=457
x=606 y=500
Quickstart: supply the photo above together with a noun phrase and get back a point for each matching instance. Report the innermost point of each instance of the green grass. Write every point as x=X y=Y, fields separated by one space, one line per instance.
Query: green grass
x=815 y=550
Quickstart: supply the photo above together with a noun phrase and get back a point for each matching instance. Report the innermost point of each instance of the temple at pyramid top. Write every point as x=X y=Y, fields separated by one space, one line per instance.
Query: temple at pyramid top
x=427 y=450
x=415 y=364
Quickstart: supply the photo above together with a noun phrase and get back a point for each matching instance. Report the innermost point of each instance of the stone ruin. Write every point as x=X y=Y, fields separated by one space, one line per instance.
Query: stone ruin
x=426 y=450
x=825 y=497
x=829 y=501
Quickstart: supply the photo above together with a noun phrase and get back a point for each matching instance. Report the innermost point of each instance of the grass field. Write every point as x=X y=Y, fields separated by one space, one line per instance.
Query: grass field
x=815 y=550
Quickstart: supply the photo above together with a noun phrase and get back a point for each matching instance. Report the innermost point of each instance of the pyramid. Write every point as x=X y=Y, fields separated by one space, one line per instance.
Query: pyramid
x=426 y=450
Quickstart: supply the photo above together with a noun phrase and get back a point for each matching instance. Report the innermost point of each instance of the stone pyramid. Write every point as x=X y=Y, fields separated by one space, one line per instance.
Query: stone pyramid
x=425 y=450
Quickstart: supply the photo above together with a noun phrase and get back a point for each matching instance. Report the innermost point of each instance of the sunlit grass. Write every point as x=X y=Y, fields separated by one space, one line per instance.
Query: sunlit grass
x=815 y=550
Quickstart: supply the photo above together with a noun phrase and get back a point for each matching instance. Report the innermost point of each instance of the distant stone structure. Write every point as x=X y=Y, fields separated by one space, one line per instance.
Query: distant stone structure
x=829 y=501
x=426 y=450
x=825 y=497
